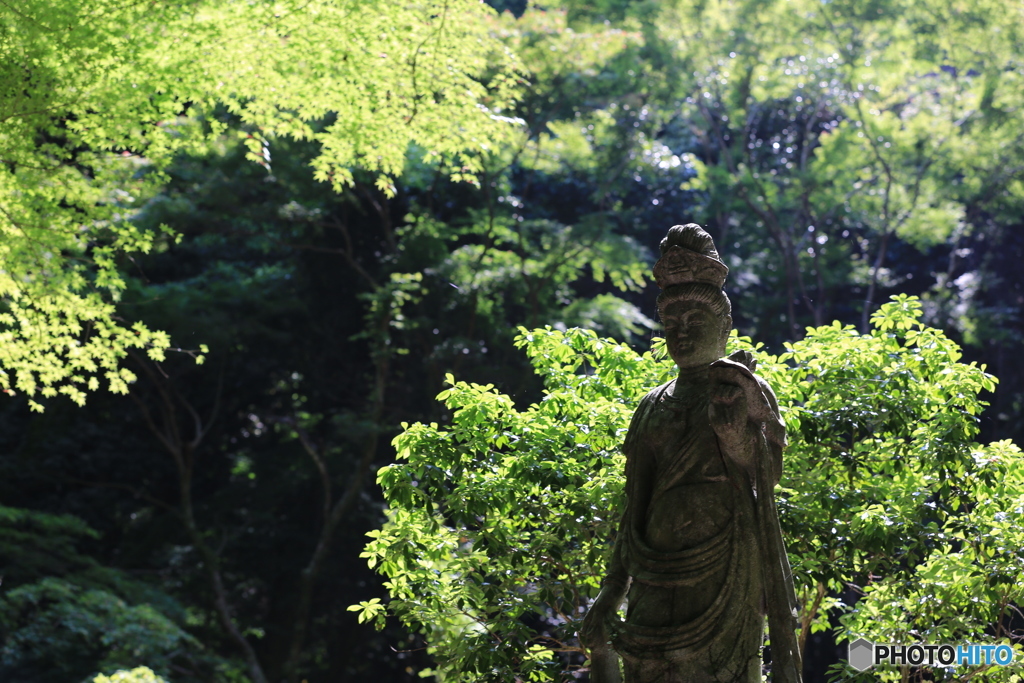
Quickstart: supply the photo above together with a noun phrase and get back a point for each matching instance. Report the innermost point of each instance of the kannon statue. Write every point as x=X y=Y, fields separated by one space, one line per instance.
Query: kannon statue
x=699 y=551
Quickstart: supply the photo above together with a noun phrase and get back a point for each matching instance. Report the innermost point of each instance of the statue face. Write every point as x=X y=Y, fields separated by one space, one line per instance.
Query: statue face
x=693 y=333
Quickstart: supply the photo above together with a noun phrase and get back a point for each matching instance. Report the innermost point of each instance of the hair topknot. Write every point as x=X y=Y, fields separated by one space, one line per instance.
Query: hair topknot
x=690 y=236
x=700 y=292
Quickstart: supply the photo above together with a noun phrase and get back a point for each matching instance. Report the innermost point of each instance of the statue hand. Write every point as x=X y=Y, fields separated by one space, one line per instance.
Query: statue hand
x=596 y=634
x=598 y=626
x=593 y=632
x=728 y=410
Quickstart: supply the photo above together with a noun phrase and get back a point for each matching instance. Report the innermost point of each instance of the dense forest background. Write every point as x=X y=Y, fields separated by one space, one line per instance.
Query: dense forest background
x=209 y=523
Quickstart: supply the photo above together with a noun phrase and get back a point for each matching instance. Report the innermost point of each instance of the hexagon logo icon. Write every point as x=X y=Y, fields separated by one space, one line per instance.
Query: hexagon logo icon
x=860 y=654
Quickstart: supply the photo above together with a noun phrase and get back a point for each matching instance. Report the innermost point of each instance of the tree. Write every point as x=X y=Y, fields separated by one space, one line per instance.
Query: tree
x=304 y=383
x=500 y=524
x=332 y=316
x=829 y=134
x=93 y=112
x=839 y=155
x=63 y=615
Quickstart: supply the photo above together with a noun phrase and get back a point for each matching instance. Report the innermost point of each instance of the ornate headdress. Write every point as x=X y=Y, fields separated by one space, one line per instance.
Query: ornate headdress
x=688 y=255
x=690 y=268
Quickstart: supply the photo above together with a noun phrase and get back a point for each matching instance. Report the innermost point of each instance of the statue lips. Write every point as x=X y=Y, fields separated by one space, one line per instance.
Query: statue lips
x=680 y=347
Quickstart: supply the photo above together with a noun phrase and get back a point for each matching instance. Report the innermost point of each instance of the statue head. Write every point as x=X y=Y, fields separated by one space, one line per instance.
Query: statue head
x=695 y=311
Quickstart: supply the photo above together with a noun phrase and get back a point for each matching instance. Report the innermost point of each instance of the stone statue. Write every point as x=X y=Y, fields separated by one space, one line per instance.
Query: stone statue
x=699 y=550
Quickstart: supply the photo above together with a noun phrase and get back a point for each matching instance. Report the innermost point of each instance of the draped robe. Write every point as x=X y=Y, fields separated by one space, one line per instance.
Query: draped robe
x=689 y=542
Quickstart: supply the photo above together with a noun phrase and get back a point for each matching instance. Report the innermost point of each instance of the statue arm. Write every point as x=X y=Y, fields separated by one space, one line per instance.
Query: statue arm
x=595 y=630
x=616 y=579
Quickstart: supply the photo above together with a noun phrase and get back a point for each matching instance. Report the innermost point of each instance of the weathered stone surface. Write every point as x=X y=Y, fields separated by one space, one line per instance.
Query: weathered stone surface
x=698 y=553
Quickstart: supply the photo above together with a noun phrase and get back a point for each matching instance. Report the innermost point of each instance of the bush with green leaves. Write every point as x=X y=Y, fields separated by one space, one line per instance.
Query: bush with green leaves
x=500 y=523
x=64 y=616
x=140 y=674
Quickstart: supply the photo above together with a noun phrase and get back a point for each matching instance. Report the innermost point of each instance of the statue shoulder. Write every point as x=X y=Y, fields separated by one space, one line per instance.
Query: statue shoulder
x=654 y=395
x=651 y=399
x=646 y=405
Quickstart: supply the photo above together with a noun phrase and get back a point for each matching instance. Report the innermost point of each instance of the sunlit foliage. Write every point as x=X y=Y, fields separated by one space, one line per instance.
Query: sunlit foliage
x=140 y=674
x=97 y=96
x=500 y=523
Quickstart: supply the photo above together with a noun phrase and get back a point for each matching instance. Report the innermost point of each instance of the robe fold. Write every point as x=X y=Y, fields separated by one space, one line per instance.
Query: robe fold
x=689 y=541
